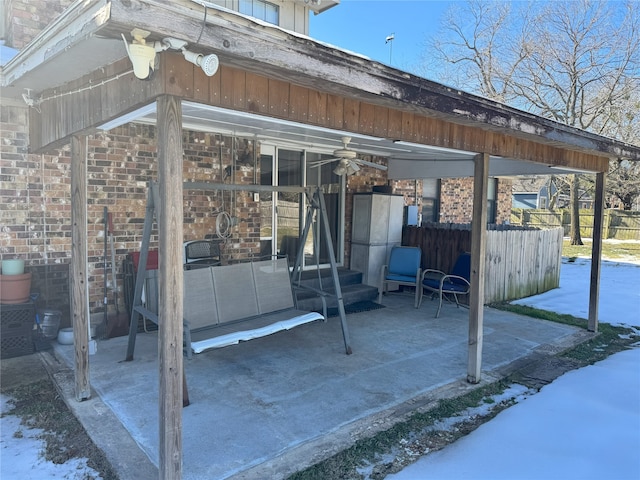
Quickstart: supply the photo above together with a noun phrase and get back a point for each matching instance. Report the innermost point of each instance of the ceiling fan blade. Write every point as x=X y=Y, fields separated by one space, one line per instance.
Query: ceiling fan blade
x=319 y=163
x=370 y=164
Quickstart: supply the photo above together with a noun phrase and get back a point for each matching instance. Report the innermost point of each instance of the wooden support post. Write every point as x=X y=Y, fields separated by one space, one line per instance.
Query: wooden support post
x=596 y=252
x=170 y=285
x=79 y=284
x=478 y=246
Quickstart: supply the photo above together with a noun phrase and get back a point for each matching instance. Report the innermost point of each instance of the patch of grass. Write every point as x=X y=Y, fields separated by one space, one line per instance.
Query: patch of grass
x=610 y=250
x=344 y=464
x=542 y=314
x=610 y=339
x=40 y=406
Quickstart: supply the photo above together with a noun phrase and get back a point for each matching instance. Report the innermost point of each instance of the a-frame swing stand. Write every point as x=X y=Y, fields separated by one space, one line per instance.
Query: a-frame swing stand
x=316 y=206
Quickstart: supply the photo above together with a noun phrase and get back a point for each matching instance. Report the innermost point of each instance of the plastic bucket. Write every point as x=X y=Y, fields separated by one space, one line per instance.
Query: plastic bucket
x=12 y=267
x=49 y=322
x=65 y=336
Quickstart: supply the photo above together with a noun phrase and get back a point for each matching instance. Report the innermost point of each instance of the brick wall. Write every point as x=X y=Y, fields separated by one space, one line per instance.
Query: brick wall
x=35 y=195
x=26 y=18
x=503 y=213
x=35 y=222
x=456 y=200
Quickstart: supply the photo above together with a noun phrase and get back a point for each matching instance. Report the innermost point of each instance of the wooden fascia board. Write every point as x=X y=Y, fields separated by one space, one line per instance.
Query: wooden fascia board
x=115 y=91
x=264 y=50
x=237 y=89
x=88 y=102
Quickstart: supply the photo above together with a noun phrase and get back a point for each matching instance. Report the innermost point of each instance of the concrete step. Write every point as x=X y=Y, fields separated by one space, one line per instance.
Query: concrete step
x=351 y=294
x=309 y=278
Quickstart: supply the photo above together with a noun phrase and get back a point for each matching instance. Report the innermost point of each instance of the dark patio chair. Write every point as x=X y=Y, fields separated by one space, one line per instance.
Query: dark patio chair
x=201 y=253
x=442 y=284
x=403 y=269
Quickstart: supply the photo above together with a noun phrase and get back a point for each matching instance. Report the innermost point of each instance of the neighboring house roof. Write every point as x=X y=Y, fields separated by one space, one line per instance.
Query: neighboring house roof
x=524 y=200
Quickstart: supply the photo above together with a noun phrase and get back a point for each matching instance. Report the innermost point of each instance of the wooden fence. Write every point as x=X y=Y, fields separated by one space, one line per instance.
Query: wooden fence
x=618 y=224
x=288 y=213
x=519 y=262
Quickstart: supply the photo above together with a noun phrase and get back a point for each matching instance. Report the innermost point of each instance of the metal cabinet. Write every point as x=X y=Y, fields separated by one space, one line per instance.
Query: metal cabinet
x=376 y=227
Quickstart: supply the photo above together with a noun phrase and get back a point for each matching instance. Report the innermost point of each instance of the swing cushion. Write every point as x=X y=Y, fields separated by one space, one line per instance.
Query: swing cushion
x=224 y=305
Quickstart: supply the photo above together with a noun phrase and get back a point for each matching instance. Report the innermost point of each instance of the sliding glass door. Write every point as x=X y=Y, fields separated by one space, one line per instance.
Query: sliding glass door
x=332 y=188
x=283 y=214
x=289 y=216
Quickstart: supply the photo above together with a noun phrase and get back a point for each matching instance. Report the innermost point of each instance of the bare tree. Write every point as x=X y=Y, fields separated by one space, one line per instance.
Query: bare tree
x=624 y=184
x=576 y=62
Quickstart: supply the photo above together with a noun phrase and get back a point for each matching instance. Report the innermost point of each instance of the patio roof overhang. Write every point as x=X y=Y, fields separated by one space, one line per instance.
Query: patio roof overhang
x=83 y=50
x=406 y=160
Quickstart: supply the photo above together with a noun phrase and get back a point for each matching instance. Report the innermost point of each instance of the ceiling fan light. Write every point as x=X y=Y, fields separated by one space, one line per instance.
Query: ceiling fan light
x=352 y=168
x=341 y=169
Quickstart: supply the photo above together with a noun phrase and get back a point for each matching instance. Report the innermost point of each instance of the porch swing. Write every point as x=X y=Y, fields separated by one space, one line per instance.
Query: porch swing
x=270 y=281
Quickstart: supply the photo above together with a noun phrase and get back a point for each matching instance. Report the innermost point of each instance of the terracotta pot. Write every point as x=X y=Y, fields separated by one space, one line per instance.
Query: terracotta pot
x=15 y=288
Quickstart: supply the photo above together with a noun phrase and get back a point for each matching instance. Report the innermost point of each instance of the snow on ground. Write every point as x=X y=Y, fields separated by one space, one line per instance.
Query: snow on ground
x=21 y=452
x=585 y=425
x=619 y=292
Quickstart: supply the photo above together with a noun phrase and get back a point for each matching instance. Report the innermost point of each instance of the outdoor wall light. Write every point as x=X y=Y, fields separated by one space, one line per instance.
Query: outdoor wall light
x=208 y=63
x=143 y=54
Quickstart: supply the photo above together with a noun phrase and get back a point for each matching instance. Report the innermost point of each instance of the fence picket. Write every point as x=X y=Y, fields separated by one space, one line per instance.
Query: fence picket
x=618 y=224
x=519 y=262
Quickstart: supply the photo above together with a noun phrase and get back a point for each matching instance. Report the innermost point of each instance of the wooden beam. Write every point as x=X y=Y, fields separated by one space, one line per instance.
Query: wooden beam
x=170 y=283
x=596 y=252
x=478 y=247
x=79 y=283
x=116 y=90
x=88 y=102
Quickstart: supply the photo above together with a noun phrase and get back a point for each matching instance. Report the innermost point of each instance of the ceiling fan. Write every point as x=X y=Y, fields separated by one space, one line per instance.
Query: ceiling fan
x=349 y=163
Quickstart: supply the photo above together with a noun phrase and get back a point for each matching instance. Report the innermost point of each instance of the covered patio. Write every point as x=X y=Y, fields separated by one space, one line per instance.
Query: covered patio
x=275 y=405
x=274 y=83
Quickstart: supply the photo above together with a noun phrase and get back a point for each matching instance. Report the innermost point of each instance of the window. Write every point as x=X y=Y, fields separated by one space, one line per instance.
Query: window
x=261 y=10
x=492 y=200
x=430 y=203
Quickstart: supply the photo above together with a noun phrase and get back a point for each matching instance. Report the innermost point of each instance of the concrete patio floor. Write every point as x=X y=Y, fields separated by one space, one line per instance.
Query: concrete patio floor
x=272 y=406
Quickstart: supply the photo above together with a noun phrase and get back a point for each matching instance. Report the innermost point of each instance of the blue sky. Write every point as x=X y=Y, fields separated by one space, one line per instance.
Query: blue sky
x=361 y=26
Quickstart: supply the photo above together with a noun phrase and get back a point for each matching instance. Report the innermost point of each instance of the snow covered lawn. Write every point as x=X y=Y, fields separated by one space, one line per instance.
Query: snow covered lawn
x=585 y=425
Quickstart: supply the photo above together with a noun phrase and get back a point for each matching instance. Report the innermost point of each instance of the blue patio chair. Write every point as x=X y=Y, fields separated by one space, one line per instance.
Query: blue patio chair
x=455 y=283
x=403 y=269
